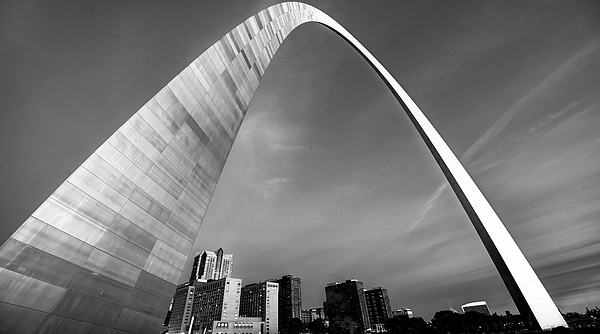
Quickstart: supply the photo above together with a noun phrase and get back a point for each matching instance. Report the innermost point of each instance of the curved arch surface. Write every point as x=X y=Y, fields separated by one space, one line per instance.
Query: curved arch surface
x=105 y=251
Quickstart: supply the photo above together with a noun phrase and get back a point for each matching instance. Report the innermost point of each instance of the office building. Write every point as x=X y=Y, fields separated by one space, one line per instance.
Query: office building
x=480 y=307
x=181 y=308
x=290 y=300
x=261 y=300
x=211 y=265
x=214 y=301
x=346 y=302
x=378 y=305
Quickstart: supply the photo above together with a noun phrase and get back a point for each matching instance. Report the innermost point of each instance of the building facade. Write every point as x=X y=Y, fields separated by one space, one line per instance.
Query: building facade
x=243 y=325
x=261 y=300
x=480 y=307
x=346 y=302
x=312 y=314
x=378 y=305
x=181 y=308
x=211 y=265
x=214 y=301
x=225 y=265
x=290 y=300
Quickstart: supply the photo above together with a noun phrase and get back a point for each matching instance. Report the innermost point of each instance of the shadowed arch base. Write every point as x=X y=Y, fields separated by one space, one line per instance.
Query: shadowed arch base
x=104 y=253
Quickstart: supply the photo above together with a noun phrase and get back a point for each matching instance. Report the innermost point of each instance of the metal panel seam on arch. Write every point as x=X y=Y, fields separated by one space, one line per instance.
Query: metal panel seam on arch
x=104 y=252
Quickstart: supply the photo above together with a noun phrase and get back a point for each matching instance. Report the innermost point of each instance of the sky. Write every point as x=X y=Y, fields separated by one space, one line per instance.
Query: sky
x=327 y=179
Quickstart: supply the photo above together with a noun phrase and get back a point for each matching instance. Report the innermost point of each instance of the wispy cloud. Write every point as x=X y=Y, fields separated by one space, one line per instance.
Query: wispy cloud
x=273 y=186
x=425 y=209
x=534 y=93
x=288 y=148
x=489 y=158
x=503 y=121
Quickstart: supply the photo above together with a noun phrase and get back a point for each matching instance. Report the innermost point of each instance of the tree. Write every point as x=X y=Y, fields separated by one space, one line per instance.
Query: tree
x=479 y=322
x=317 y=326
x=394 y=325
x=339 y=327
x=406 y=325
x=417 y=325
x=449 y=322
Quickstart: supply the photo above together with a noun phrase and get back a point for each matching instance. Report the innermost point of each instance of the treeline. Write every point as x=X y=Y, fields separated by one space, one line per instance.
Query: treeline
x=443 y=322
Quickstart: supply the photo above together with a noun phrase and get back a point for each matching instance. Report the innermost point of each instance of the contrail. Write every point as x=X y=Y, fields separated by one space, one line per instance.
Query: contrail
x=534 y=93
x=425 y=208
x=501 y=123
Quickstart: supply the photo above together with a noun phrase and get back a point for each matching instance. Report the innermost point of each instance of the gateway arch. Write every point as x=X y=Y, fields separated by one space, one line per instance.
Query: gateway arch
x=104 y=252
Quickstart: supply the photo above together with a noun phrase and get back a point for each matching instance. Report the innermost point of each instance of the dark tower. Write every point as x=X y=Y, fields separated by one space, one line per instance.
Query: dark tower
x=346 y=302
x=290 y=300
x=378 y=304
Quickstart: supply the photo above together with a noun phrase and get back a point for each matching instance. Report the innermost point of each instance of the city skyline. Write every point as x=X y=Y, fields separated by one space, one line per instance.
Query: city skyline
x=537 y=124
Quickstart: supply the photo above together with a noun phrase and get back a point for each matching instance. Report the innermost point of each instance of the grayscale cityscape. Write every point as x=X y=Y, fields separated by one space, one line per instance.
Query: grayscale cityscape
x=214 y=302
x=318 y=167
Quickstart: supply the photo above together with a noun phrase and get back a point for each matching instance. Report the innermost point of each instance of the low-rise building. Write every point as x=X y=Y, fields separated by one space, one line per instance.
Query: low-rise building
x=402 y=312
x=243 y=325
x=480 y=307
x=312 y=314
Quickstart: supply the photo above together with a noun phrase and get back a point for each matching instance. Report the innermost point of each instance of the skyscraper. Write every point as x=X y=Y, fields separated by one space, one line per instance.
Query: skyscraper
x=290 y=300
x=261 y=300
x=378 y=304
x=211 y=265
x=225 y=264
x=346 y=302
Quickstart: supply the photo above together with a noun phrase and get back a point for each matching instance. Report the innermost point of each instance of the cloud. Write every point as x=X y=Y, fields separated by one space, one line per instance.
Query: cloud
x=534 y=93
x=425 y=209
x=503 y=121
x=495 y=153
x=288 y=148
x=273 y=186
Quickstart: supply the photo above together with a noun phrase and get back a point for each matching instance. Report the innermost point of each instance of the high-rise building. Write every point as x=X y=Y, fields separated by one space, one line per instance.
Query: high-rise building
x=261 y=300
x=215 y=300
x=181 y=308
x=346 y=302
x=225 y=264
x=480 y=307
x=290 y=300
x=312 y=314
x=378 y=305
x=211 y=265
